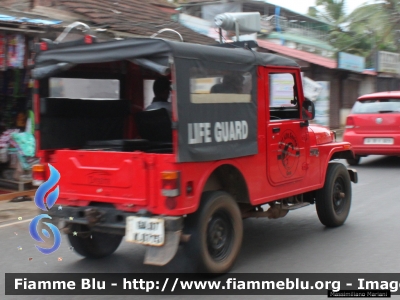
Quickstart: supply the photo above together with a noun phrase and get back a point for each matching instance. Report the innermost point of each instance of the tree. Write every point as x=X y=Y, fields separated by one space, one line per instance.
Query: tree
x=331 y=11
x=379 y=24
x=367 y=29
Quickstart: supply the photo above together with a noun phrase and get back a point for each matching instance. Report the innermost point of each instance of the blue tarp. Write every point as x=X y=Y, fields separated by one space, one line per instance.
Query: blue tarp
x=27 y=20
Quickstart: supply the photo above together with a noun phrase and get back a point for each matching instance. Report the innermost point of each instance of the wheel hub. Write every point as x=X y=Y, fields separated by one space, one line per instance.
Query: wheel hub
x=219 y=236
x=338 y=196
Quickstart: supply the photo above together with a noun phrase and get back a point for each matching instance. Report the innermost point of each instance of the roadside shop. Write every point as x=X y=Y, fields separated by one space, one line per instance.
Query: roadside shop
x=17 y=142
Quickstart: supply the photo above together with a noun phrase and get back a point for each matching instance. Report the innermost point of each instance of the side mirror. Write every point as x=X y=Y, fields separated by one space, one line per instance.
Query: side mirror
x=308 y=110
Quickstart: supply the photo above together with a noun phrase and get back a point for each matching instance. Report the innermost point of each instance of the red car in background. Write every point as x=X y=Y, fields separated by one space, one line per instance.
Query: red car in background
x=373 y=127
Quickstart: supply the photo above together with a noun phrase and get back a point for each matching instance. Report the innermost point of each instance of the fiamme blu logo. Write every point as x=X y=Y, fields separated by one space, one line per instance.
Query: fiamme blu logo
x=51 y=199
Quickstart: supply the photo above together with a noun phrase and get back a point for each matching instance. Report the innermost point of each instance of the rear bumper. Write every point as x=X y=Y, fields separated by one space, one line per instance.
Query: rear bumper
x=104 y=219
x=359 y=148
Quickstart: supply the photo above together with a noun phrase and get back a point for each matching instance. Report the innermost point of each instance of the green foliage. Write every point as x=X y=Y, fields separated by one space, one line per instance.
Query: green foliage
x=333 y=11
x=367 y=29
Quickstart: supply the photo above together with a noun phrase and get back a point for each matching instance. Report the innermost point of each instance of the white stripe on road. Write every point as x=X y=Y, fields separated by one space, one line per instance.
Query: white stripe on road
x=14 y=223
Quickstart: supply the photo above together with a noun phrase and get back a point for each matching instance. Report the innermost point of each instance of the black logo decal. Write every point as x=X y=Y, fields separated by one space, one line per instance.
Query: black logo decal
x=288 y=153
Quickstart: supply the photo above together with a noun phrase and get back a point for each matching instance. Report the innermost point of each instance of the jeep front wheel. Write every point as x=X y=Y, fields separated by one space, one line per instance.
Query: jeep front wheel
x=216 y=231
x=333 y=201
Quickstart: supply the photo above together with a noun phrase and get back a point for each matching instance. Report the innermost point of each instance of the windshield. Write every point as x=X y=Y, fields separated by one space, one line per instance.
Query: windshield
x=377 y=106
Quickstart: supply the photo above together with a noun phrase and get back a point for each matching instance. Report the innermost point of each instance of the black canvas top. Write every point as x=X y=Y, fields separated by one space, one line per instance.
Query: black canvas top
x=155 y=54
x=229 y=128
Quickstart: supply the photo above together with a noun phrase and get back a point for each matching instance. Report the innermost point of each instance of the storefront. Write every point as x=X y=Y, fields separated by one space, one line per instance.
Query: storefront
x=388 y=67
x=14 y=100
x=14 y=81
x=16 y=117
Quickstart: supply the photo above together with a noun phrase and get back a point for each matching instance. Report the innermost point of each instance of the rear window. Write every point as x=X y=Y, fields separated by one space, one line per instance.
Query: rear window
x=208 y=86
x=377 y=106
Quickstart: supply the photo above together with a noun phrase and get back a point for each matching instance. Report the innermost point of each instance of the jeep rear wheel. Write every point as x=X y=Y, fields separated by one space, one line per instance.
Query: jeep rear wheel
x=94 y=244
x=216 y=231
x=333 y=201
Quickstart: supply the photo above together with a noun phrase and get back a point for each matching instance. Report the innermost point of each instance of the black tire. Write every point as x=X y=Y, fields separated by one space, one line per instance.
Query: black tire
x=216 y=231
x=94 y=245
x=353 y=161
x=333 y=201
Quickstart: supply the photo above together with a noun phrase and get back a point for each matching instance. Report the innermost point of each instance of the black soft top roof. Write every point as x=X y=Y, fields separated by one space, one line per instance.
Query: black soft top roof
x=155 y=54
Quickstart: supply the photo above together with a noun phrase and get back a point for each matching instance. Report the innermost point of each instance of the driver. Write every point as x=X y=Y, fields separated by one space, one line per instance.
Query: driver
x=162 y=90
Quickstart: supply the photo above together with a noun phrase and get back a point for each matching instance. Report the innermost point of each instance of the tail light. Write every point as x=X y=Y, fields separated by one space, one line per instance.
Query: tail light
x=38 y=174
x=170 y=188
x=170 y=203
x=170 y=183
x=349 y=123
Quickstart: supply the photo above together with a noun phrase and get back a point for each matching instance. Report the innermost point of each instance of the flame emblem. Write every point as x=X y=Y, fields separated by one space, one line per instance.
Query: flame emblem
x=51 y=199
x=45 y=187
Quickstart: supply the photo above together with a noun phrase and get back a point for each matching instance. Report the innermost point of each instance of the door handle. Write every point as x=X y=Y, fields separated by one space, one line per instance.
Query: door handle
x=276 y=129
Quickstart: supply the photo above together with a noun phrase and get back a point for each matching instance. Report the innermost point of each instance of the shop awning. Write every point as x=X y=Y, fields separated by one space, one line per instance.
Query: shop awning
x=7 y=18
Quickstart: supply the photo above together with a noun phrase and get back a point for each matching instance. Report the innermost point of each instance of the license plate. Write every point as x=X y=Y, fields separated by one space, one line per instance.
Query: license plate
x=146 y=231
x=379 y=141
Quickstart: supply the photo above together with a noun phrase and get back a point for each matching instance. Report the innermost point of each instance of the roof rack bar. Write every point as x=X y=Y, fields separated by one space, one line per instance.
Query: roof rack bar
x=69 y=28
x=167 y=29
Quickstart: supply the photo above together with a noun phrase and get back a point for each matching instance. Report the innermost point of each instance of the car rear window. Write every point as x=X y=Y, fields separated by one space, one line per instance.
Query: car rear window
x=377 y=106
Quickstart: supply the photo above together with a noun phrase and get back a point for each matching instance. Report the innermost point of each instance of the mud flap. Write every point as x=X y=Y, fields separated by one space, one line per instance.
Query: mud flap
x=353 y=175
x=160 y=256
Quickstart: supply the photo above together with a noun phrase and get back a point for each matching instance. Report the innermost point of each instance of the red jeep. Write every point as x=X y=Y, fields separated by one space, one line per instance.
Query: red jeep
x=239 y=138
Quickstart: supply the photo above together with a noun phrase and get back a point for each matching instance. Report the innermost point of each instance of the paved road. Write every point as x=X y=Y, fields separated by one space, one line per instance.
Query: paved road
x=368 y=242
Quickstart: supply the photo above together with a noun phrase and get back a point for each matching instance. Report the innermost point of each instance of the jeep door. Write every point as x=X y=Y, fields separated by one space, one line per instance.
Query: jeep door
x=287 y=133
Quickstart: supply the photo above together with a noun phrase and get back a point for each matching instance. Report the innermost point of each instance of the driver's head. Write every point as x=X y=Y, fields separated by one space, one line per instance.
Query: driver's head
x=234 y=81
x=162 y=88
